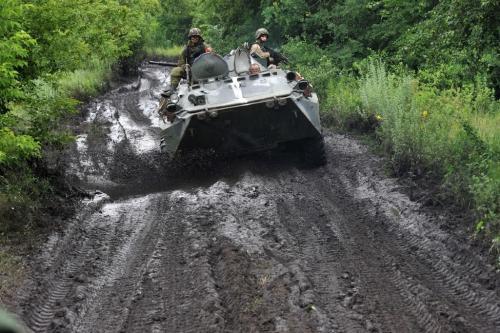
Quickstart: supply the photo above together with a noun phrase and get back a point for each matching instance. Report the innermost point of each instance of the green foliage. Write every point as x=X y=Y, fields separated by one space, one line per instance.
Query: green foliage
x=389 y=98
x=14 y=45
x=172 y=23
x=15 y=149
x=313 y=63
x=87 y=82
x=51 y=52
x=171 y=52
x=450 y=48
x=485 y=188
x=70 y=32
x=342 y=107
x=227 y=24
x=40 y=112
x=224 y=24
x=455 y=45
x=447 y=48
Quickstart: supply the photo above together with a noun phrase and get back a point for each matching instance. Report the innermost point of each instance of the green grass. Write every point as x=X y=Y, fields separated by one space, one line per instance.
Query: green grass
x=488 y=126
x=163 y=52
x=85 y=82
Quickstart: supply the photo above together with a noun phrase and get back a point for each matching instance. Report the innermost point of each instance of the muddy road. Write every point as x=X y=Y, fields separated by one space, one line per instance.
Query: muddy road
x=252 y=245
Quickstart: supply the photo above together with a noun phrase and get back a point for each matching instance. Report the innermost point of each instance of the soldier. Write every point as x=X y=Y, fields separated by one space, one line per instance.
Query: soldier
x=194 y=48
x=263 y=54
x=257 y=48
x=254 y=69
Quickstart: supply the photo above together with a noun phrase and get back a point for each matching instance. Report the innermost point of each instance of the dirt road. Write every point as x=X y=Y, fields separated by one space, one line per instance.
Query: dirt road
x=252 y=245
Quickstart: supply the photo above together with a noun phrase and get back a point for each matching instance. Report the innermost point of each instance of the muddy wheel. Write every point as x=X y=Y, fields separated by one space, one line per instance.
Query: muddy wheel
x=313 y=151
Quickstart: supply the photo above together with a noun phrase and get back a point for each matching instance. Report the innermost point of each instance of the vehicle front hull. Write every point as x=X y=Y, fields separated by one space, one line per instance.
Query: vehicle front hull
x=244 y=128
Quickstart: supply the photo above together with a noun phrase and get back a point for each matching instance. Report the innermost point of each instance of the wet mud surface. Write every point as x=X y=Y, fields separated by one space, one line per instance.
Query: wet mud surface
x=257 y=244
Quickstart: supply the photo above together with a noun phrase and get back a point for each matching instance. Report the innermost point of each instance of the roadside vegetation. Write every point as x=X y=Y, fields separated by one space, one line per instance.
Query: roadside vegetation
x=53 y=54
x=421 y=78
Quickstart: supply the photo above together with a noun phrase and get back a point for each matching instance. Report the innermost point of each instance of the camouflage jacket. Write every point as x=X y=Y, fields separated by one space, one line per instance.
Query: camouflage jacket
x=191 y=52
x=258 y=49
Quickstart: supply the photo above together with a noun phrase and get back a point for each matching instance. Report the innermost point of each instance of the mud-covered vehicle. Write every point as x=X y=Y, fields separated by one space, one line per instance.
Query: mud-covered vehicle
x=234 y=105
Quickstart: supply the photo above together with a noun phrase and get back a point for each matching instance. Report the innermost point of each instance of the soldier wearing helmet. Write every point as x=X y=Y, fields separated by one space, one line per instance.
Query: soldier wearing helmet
x=195 y=47
x=257 y=50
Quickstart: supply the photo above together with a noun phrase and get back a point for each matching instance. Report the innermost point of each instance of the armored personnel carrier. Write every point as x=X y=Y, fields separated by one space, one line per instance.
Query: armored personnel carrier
x=234 y=105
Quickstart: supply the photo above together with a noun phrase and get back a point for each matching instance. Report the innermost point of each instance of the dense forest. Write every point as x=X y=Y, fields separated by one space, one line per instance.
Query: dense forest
x=421 y=78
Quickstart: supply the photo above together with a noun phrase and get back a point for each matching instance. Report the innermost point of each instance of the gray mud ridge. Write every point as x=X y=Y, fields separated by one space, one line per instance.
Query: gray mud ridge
x=251 y=245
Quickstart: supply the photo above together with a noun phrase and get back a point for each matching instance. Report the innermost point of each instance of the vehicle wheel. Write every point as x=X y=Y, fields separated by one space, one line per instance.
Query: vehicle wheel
x=313 y=151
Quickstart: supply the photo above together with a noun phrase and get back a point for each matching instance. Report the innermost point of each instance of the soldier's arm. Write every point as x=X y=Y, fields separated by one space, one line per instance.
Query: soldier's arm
x=258 y=51
x=182 y=58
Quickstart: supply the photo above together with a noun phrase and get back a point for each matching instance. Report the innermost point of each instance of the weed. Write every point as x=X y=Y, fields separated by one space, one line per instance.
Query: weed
x=264 y=281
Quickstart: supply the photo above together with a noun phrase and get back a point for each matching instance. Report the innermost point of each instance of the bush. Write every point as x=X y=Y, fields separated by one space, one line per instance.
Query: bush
x=21 y=195
x=15 y=149
x=312 y=63
x=14 y=46
x=342 y=107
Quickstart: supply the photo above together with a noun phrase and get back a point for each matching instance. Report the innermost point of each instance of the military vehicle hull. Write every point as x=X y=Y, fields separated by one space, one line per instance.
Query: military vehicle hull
x=246 y=128
x=243 y=114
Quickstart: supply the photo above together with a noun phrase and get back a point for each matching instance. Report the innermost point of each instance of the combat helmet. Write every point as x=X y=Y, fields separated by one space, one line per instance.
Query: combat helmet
x=260 y=32
x=194 y=32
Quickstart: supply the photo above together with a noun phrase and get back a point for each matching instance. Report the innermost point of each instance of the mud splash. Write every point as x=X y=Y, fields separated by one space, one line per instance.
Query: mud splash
x=252 y=245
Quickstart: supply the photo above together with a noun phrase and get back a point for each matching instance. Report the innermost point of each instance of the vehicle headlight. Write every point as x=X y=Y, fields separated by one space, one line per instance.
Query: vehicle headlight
x=174 y=98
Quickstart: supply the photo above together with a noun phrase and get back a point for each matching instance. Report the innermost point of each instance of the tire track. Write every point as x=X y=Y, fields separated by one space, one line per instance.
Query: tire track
x=407 y=236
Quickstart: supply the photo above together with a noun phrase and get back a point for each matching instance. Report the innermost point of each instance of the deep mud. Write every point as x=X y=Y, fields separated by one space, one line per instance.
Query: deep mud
x=251 y=245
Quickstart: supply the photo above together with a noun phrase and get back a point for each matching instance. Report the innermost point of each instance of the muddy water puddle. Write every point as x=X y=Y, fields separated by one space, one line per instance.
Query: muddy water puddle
x=249 y=245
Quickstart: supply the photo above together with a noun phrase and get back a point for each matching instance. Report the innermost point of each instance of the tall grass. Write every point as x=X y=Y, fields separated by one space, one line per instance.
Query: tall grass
x=452 y=135
x=85 y=82
x=168 y=52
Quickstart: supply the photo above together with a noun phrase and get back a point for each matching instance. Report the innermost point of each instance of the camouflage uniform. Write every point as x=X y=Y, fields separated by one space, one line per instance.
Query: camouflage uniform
x=257 y=48
x=187 y=57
